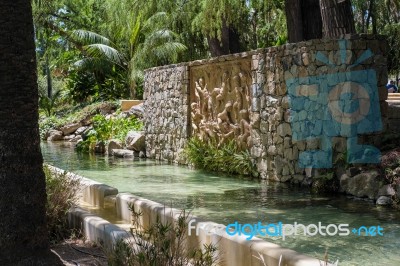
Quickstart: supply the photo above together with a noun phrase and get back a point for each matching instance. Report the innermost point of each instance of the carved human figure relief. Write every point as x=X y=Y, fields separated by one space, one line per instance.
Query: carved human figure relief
x=220 y=107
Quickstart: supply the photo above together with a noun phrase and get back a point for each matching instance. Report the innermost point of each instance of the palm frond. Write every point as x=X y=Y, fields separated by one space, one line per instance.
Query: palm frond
x=169 y=51
x=159 y=18
x=92 y=64
x=106 y=52
x=88 y=37
x=134 y=37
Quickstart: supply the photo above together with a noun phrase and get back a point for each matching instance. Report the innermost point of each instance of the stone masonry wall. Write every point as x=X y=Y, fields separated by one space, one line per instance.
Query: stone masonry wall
x=166 y=105
x=269 y=82
x=314 y=65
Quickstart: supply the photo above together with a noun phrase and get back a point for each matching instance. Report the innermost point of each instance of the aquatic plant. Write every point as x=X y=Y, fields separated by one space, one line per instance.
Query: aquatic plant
x=227 y=158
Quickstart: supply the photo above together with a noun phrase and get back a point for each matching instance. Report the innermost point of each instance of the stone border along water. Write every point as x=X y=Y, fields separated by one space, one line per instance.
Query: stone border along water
x=232 y=250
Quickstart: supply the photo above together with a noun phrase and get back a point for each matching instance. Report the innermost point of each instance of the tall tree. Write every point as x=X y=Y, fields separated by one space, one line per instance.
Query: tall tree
x=22 y=183
x=337 y=17
x=304 y=20
x=220 y=21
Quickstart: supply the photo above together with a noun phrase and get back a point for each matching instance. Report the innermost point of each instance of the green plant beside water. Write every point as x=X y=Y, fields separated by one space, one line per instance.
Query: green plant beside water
x=105 y=129
x=66 y=114
x=227 y=158
x=162 y=243
x=61 y=196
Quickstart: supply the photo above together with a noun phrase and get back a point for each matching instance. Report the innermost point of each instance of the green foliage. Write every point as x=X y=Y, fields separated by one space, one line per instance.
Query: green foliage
x=163 y=243
x=72 y=114
x=105 y=129
x=48 y=123
x=46 y=103
x=81 y=85
x=226 y=158
x=214 y=14
x=392 y=31
x=61 y=196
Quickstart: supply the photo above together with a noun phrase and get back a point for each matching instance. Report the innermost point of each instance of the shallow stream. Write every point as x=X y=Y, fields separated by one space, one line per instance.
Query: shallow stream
x=226 y=199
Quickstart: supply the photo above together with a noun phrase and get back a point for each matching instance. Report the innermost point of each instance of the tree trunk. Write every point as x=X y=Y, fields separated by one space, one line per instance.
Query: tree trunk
x=294 y=20
x=23 y=230
x=304 y=20
x=337 y=17
x=49 y=81
x=229 y=43
x=312 y=20
x=215 y=47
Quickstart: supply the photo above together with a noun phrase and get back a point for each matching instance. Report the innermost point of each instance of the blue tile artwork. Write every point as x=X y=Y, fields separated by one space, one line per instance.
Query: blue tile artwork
x=344 y=104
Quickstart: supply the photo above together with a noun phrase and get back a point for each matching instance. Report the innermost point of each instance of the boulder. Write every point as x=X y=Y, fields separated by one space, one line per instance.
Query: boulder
x=137 y=111
x=69 y=137
x=113 y=144
x=384 y=200
x=86 y=132
x=142 y=154
x=87 y=120
x=135 y=140
x=106 y=108
x=386 y=190
x=70 y=128
x=80 y=130
x=55 y=135
x=362 y=185
x=77 y=138
x=122 y=153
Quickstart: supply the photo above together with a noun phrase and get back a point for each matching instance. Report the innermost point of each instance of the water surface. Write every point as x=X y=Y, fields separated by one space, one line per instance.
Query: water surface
x=226 y=199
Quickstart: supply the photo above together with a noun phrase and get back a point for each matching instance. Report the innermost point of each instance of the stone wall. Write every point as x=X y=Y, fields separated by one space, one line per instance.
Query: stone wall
x=275 y=102
x=166 y=121
x=313 y=65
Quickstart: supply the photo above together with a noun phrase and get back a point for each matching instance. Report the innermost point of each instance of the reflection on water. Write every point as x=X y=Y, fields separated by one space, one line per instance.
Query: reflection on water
x=225 y=199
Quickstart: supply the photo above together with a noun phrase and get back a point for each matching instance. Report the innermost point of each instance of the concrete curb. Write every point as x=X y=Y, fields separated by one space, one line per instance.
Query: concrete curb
x=232 y=250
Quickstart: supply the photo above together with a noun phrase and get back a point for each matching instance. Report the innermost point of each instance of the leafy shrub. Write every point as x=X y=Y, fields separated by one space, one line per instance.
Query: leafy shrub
x=81 y=85
x=226 y=158
x=48 y=123
x=46 y=103
x=161 y=244
x=61 y=196
x=105 y=129
x=85 y=86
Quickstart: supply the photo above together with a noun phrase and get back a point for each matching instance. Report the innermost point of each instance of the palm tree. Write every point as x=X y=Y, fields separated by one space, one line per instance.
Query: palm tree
x=22 y=183
x=150 y=44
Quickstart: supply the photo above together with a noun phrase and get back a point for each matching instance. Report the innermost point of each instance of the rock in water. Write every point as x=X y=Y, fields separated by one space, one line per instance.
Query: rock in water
x=121 y=153
x=70 y=128
x=113 y=144
x=55 y=135
x=384 y=200
x=135 y=140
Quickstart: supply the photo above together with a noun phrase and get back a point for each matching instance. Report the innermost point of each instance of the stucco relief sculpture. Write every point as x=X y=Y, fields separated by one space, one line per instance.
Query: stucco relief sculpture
x=220 y=104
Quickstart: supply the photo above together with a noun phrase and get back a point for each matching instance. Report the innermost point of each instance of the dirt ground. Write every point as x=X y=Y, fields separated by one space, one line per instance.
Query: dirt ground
x=77 y=252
